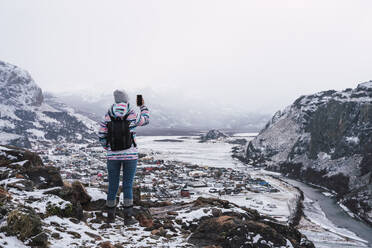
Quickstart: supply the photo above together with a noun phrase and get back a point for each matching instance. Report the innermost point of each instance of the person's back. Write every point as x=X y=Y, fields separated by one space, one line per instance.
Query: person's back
x=121 y=113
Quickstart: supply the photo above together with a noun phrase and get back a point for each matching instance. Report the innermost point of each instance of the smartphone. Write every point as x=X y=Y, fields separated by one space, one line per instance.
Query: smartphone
x=139 y=100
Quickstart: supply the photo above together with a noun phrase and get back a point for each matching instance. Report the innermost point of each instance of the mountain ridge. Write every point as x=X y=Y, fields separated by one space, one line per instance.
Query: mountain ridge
x=175 y=111
x=26 y=119
x=326 y=139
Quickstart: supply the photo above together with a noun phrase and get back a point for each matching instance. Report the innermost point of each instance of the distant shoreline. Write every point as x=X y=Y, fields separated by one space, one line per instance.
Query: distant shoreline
x=183 y=132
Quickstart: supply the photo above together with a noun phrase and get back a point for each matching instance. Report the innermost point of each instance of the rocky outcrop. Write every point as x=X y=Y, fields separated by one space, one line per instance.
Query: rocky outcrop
x=212 y=135
x=21 y=163
x=232 y=231
x=26 y=119
x=326 y=139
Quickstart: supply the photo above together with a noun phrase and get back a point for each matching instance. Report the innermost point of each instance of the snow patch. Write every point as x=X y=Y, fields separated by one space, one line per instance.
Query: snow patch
x=21 y=163
x=96 y=194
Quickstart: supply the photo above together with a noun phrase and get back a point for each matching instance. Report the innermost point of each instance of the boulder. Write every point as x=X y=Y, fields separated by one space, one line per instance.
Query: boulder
x=13 y=154
x=230 y=231
x=73 y=193
x=44 y=176
x=64 y=210
x=23 y=223
x=28 y=165
x=40 y=240
x=79 y=193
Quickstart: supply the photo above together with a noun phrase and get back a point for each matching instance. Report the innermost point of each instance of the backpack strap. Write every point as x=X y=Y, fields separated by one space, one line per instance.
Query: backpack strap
x=134 y=143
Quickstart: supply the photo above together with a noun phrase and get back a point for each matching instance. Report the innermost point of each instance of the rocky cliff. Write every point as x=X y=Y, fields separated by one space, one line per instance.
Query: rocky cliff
x=326 y=139
x=26 y=119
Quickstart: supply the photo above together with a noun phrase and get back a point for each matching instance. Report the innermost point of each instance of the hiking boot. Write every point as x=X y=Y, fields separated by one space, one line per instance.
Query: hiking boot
x=111 y=212
x=128 y=216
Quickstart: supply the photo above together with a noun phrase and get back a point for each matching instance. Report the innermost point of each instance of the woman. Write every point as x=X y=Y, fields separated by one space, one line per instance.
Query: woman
x=126 y=158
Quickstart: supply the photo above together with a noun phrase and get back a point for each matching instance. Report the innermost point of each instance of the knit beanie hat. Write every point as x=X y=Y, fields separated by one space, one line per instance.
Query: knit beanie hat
x=121 y=96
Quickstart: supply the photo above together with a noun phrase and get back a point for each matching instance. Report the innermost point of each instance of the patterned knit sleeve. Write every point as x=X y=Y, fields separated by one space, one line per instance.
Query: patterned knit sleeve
x=102 y=132
x=144 y=116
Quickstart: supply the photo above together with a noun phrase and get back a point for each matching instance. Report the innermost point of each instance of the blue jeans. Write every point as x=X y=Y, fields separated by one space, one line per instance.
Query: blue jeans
x=129 y=170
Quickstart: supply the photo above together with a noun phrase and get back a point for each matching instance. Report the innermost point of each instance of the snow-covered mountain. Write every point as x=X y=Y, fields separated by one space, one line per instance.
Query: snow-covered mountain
x=26 y=119
x=326 y=139
x=172 y=110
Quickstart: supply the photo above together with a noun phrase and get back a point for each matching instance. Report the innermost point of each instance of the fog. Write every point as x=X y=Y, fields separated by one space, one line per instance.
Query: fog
x=258 y=54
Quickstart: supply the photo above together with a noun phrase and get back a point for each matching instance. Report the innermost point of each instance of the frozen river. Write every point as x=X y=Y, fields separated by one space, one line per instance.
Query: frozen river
x=326 y=224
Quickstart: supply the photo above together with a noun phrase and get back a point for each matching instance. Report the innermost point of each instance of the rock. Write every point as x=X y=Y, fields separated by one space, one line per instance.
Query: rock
x=230 y=231
x=56 y=235
x=40 y=240
x=179 y=221
x=212 y=135
x=22 y=185
x=216 y=212
x=159 y=232
x=76 y=235
x=79 y=193
x=104 y=226
x=44 y=176
x=202 y=201
x=144 y=218
x=23 y=223
x=94 y=236
x=74 y=193
x=154 y=204
x=75 y=221
x=95 y=205
x=15 y=154
x=106 y=244
x=172 y=213
x=65 y=210
x=4 y=210
x=324 y=139
x=4 y=195
x=28 y=165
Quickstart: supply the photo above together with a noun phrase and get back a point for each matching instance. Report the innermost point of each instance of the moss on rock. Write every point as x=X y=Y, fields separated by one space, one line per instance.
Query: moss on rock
x=23 y=223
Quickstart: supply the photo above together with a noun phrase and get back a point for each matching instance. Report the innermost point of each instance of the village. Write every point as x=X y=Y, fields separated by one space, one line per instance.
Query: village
x=157 y=179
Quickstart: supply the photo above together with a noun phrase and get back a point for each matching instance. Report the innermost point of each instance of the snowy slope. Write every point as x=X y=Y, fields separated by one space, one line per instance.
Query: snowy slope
x=324 y=138
x=25 y=118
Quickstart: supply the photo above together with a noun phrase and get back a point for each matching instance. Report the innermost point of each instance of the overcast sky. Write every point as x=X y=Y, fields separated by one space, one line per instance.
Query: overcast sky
x=261 y=54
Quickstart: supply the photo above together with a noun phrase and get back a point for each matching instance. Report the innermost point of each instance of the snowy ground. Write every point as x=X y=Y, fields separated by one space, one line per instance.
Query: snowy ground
x=86 y=234
x=279 y=205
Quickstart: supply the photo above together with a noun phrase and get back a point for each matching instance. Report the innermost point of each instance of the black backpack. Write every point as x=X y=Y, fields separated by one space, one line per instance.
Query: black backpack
x=119 y=136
